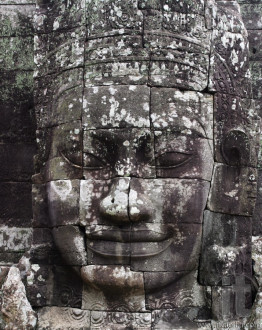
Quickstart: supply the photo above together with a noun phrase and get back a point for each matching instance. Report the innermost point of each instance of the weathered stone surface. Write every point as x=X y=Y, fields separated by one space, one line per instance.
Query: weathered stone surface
x=39 y=285
x=256 y=257
x=173 y=290
x=226 y=248
x=40 y=206
x=256 y=69
x=63 y=202
x=16 y=19
x=17 y=162
x=58 y=51
x=113 y=107
x=113 y=288
x=179 y=318
x=232 y=301
x=70 y=242
x=255 y=45
x=118 y=152
x=43 y=250
x=237 y=190
x=251 y=14
x=15 y=200
x=57 y=15
x=113 y=18
x=167 y=201
x=18 y=86
x=57 y=318
x=55 y=286
x=62 y=152
x=15 y=307
x=187 y=112
x=58 y=98
x=120 y=320
x=256 y=219
x=16 y=53
x=15 y=239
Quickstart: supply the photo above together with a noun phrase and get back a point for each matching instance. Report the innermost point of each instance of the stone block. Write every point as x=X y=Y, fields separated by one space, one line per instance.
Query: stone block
x=171 y=6
x=176 y=290
x=91 y=193
x=113 y=18
x=236 y=130
x=118 y=152
x=63 y=317
x=167 y=201
x=14 y=239
x=56 y=286
x=58 y=51
x=113 y=288
x=39 y=285
x=185 y=318
x=17 y=162
x=15 y=306
x=63 y=202
x=183 y=156
x=43 y=250
x=16 y=53
x=226 y=248
x=255 y=45
x=256 y=219
x=120 y=320
x=16 y=19
x=70 y=242
x=237 y=190
x=176 y=61
x=172 y=109
x=40 y=206
x=251 y=15
x=57 y=15
x=15 y=200
x=116 y=107
x=58 y=98
x=18 y=86
x=256 y=74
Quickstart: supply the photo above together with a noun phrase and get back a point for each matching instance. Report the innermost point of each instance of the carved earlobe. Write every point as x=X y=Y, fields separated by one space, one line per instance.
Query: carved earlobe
x=236 y=148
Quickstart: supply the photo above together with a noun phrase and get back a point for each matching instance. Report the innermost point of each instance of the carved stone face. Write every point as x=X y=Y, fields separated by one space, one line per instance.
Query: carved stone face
x=130 y=168
x=147 y=160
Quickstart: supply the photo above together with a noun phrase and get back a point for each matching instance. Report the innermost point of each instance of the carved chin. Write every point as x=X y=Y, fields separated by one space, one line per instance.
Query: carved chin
x=108 y=277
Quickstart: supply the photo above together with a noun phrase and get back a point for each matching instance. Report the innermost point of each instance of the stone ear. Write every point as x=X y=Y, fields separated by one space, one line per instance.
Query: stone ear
x=236 y=148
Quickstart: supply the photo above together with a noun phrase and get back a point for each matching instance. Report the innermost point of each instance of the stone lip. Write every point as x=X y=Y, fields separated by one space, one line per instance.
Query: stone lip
x=126 y=236
x=142 y=249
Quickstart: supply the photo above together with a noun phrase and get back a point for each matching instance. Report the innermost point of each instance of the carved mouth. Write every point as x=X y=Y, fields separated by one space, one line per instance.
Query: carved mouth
x=124 y=244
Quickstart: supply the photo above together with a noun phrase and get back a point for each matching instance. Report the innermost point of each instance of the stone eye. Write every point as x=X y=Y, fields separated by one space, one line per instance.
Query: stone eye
x=92 y=162
x=172 y=159
x=74 y=158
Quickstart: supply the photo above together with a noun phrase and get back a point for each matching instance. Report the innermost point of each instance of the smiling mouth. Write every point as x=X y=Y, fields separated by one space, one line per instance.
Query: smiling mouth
x=135 y=244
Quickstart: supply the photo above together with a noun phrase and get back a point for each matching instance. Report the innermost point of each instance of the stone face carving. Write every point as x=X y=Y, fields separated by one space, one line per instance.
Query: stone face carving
x=145 y=119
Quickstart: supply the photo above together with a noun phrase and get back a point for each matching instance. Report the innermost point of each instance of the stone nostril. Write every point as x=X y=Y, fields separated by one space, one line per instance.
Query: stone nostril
x=112 y=200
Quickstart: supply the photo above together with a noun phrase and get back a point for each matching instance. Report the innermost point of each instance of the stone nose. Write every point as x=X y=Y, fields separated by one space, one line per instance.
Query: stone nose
x=126 y=202
x=114 y=207
x=140 y=206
